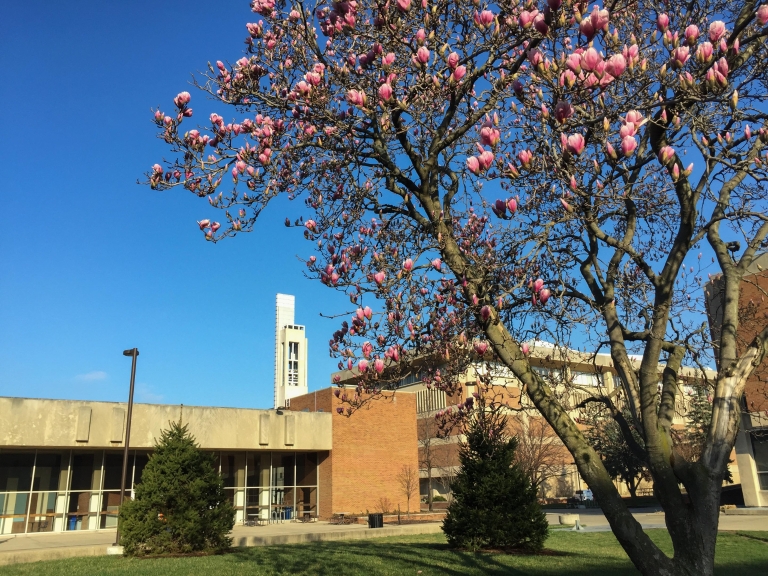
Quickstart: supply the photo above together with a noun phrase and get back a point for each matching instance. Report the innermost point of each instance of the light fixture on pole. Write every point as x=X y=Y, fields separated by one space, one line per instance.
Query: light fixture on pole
x=134 y=353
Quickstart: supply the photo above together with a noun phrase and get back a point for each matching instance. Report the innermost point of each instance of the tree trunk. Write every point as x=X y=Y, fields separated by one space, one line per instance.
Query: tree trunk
x=429 y=487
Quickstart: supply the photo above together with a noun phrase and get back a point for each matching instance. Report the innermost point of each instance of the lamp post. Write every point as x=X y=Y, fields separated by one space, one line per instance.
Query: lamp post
x=133 y=353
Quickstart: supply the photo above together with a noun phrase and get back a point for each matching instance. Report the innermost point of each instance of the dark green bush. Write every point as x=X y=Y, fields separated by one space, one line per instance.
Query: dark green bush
x=494 y=504
x=180 y=505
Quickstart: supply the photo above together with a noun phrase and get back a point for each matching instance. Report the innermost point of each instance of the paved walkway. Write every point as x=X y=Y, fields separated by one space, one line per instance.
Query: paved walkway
x=35 y=547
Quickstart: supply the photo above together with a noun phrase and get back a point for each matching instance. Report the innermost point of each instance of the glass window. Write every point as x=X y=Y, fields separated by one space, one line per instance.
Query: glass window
x=113 y=469
x=140 y=463
x=233 y=469
x=42 y=511
x=282 y=469
x=306 y=503
x=86 y=468
x=760 y=449
x=51 y=471
x=587 y=379
x=258 y=469
x=16 y=471
x=306 y=469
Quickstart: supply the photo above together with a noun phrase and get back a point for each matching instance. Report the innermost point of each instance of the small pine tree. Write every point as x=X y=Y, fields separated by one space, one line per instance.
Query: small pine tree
x=494 y=503
x=180 y=505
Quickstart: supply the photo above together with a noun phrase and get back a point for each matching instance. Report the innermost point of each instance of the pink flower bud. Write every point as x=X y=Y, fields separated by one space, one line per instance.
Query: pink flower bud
x=422 y=55
x=575 y=144
x=204 y=223
x=666 y=155
x=716 y=30
x=408 y=265
x=538 y=284
x=215 y=226
x=378 y=365
x=485 y=313
x=525 y=348
x=486 y=159
x=421 y=36
x=512 y=205
x=367 y=349
x=385 y=92
x=704 y=52
x=525 y=157
x=484 y=18
x=544 y=295
x=437 y=264
x=762 y=14
x=526 y=18
x=680 y=56
x=616 y=65
x=362 y=365
x=587 y=29
x=590 y=59
x=489 y=136
x=535 y=56
x=567 y=207
x=473 y=164
x=157 y=169
x=747 y=132
x=181 y=99
x=459 y=73
x=540 y=24
x=692 y=34
x=563 y=111
x=404 y=5
x=628 y=145
x=662 y=22
x=388 y=60
x=379 y=277
x=356 y=98
x=480 y=347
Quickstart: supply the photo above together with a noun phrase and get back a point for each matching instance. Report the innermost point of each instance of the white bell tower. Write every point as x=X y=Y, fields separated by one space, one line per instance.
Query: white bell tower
x=290 y=353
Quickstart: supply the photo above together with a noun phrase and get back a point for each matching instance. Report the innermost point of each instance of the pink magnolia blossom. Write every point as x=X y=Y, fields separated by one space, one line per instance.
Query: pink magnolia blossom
x=662 y=22
x=573 y=62
x=525 y=349
x=362 y=365
x=575 y=144
x=540 y=24
x=666 y=154
x=525 y=157
x=486 y=159
x=421 y=36
x=453 y=60
x=635 y=117
x=538 y=284
x=489 y=136
x=385 y=92
x=567 y=207
x=215 y=226
x=567 y=78
x=512 y=205
x=388 y=60
x=367 y=349
x=628 y=145
x=378 y=365
x=762 y=14
x=204 y=224
x=182 y=99
x=535 y=56
x=157 y=169
x=615 y=65
x=294 y=15
x=422 y=55
x=473 y=164
x=480 y=347
x=379 y=277
x=692 y=34
x=485 y=313
x=628 y=129
x=747 y=132
x=599 y=18
x=459 y=73
x=704 y=52
x=311 y=225
x=484 y=18
x=716 y=30
x=408 y=265
x=404 y=5
x=587 y=29
x=590 y=59
x=680 y=56
x=544 y=295
x=563 y=111
x=367 y=312
x=526 y=18
x=356 y=98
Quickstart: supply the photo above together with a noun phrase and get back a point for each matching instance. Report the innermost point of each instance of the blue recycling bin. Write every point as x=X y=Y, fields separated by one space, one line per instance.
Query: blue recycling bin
x=72 y=523
x=288 y=511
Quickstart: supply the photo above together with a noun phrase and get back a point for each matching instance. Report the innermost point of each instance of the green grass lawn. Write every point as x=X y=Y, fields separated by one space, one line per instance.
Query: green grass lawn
x=576 y=554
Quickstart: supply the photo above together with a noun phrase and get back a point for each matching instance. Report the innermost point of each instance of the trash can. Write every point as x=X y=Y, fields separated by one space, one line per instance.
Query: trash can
x=376 y=520
x=288 y=511
x=72 y=523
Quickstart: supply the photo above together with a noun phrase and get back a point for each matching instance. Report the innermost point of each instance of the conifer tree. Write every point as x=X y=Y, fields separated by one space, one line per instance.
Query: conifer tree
x=180 y=505
x=494 y=503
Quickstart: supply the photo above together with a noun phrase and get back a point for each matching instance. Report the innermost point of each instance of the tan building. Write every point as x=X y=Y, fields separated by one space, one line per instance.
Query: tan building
x=61 y=460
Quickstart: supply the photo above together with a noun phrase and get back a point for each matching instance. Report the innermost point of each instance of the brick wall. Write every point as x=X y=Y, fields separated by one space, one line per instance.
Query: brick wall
x=370 y=448
x=753 y=312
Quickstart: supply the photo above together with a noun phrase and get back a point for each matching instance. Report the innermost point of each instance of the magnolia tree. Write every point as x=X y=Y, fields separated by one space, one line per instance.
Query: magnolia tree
x=473 y=175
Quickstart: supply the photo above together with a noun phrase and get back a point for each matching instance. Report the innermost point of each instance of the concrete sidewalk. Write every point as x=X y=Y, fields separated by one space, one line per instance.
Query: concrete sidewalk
x=36 y=547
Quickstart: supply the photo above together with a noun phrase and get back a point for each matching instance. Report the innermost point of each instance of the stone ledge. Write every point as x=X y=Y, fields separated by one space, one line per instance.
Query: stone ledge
x=41 y=554
x=746 y=511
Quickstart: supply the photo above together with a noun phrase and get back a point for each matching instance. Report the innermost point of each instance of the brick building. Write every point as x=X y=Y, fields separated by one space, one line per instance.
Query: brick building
x=752 y=440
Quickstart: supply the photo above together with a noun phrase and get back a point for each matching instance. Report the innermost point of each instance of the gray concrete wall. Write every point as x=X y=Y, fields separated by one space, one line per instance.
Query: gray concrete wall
x=41 y=423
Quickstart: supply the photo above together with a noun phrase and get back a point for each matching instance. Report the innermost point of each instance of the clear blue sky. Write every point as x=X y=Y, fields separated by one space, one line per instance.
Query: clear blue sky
x=92 y=263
